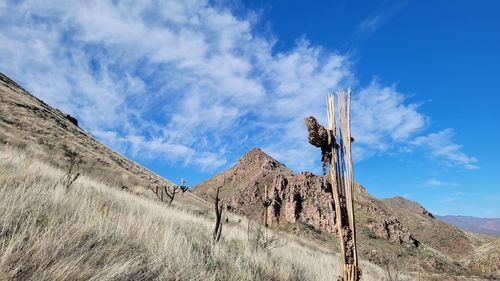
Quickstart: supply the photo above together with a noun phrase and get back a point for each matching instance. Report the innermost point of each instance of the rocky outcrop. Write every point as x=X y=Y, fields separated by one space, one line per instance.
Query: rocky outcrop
x=72 y=119
x=303 y=197
x=388 y=227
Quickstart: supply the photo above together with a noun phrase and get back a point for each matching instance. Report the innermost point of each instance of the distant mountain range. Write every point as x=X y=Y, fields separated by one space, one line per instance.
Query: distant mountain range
x=479 y=225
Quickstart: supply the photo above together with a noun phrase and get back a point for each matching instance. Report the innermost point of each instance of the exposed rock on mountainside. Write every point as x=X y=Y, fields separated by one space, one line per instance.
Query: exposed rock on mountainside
x=72 y=119
x=303 y=197
x=441 y=236
x=388 y=227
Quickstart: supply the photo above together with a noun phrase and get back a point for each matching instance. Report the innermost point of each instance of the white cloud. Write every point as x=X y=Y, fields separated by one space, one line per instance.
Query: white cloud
x=188 y=82
x=442 y=147
x=438 y=183
x=382 y=118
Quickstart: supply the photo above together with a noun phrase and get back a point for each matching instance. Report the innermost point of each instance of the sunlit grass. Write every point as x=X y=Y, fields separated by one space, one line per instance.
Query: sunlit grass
x=96 y=232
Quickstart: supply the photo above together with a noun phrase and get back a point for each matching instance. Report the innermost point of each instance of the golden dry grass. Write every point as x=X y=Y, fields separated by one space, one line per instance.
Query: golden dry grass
x=96 y=232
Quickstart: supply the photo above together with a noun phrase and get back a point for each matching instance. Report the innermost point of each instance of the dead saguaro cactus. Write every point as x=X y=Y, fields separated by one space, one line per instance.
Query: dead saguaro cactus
x=157 y=191
x=72 y=167
x=171 y=191
x=266 y=202
x=218 y=217
x=183 y=187
x=336 y=153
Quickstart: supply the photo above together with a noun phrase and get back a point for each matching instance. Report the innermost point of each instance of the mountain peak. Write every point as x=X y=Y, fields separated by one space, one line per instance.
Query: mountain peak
x=256 y=151
x=257 y=157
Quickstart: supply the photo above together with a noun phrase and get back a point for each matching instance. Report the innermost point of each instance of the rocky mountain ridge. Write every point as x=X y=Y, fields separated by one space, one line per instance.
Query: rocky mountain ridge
x=304 y=201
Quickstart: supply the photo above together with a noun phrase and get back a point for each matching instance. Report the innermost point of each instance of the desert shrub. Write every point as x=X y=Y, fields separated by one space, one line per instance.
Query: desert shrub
x=261 y=238
x=73 y=160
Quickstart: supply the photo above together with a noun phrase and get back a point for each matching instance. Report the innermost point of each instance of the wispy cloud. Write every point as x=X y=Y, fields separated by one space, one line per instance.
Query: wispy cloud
x=442 y=147
x=448 y=199
x=492 y=197
x=374 y=21
x=438 y=183
x=190 y=83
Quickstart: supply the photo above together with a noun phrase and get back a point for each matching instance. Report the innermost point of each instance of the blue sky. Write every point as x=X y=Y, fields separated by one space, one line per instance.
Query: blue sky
x=186 y=87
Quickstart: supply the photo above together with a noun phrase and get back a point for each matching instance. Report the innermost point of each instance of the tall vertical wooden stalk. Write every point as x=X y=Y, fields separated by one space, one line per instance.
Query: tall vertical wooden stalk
x=350 y=268
x=336 y=153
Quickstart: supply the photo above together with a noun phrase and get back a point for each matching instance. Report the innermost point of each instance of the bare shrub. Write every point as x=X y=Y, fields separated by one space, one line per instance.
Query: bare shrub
x=73 y=160
x=262 y=238
x=392 y=267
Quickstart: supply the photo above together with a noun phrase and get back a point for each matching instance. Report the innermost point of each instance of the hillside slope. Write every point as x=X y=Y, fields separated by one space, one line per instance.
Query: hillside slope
x=94 y=232
x=28 y=121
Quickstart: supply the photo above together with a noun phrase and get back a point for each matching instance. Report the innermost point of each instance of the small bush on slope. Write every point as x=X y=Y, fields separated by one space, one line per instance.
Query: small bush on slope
x=95 y=232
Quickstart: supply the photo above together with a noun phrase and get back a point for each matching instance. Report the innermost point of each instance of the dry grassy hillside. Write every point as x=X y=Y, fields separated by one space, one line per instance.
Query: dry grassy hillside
x=94 y=232
x=28 y=121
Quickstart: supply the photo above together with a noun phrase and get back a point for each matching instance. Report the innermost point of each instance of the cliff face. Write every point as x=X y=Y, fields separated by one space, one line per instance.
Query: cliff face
x=303 y=197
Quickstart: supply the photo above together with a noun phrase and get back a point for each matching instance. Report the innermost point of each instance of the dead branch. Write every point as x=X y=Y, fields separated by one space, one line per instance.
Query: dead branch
x=218 y=217
x=393 y=267
x=157 y=191
x=261 y=238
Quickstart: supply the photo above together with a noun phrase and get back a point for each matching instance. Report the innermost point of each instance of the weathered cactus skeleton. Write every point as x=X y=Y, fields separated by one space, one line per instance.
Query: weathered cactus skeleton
x=267 y=200
x=336 y=153
x=169 y=190
x=218 y=216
